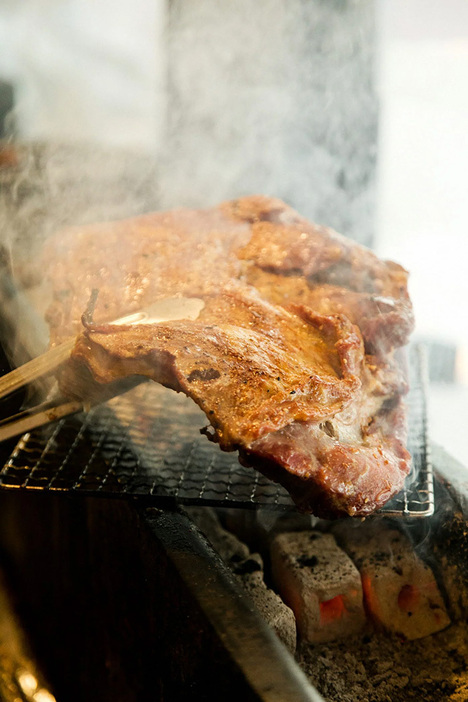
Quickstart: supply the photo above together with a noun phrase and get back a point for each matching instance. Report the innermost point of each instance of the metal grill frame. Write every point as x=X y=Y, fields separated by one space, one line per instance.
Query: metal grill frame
x=146 y=444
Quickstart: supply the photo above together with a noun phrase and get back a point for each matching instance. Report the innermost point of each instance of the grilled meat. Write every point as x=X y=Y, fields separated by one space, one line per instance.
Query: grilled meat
x=348 y=465
x=258 y=240
x=295 y=371
x=252 y=367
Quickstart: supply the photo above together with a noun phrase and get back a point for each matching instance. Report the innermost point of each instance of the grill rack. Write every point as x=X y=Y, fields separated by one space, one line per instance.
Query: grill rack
x=147 y=444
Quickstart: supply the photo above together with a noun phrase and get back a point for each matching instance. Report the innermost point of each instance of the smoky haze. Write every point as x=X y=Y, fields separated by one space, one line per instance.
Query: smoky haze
x=55 y=186
x=272 y=97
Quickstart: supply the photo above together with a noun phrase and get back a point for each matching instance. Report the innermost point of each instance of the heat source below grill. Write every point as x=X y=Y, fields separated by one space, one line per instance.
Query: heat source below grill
x=147 y=443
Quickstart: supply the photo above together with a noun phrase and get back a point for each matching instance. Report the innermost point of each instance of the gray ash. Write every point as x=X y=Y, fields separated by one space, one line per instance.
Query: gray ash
x=381 y=668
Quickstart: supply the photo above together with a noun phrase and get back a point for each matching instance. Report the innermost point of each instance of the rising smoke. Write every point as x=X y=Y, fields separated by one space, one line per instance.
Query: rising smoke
x=272 y=97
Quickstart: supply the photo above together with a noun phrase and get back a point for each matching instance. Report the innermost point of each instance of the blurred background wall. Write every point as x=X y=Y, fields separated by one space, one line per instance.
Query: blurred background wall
x=422 y=208
x=86 y=70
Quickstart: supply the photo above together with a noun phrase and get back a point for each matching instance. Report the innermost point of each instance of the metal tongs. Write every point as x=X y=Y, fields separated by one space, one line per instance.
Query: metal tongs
x=55 y=407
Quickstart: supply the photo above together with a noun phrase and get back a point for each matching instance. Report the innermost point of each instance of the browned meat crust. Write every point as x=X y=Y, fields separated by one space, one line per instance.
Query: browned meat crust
x=137 y=261
x=385 y=322
x=197 y=252
x=333 y=470
x=253 y=368
x=294 y=369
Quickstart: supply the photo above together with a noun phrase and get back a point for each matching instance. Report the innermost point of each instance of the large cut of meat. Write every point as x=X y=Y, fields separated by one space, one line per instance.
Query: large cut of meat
x=294 y=356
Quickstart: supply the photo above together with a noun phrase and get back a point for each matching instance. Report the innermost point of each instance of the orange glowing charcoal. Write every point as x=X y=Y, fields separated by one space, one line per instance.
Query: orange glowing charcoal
x=320 y=584
x=408 y=598
x=400 y=592
x=331 y=610
x=370 y=600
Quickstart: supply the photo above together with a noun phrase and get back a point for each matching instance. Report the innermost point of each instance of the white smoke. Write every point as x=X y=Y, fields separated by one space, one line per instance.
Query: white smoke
x=271 y=97
x=274 y=97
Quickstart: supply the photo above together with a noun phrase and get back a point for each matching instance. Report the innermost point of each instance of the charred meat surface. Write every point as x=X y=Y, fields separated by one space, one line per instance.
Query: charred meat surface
x=293 y=358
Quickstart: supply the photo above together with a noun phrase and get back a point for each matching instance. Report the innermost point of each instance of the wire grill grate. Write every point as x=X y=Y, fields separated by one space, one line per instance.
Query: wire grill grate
x=146 y=443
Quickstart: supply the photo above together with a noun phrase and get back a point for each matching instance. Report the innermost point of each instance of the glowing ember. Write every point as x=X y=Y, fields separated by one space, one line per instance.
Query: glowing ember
x=331 y=610
x=400 y=591
x=320 y=584
x=408 y=598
